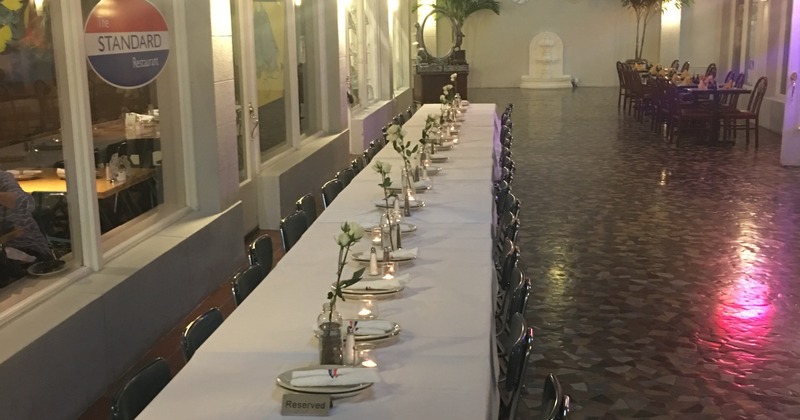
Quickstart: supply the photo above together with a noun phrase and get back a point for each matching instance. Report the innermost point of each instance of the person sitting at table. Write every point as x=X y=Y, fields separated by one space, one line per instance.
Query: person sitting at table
x=16 y=209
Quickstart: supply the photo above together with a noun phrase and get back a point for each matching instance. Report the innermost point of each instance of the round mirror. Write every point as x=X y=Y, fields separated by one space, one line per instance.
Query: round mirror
x=437 y=36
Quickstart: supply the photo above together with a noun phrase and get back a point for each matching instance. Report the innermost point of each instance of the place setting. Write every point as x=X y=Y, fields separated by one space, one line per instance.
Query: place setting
x=347 y=363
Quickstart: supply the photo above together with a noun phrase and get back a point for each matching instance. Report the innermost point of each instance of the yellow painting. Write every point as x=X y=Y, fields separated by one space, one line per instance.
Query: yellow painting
x=269 y=32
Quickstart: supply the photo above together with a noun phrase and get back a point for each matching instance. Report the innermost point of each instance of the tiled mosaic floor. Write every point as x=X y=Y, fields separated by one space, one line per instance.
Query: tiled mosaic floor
x=666 y=279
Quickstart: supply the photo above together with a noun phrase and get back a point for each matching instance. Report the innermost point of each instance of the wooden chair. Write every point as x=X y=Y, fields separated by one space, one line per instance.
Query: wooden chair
x=686 y=66
x=676 y=64
x=734 y=120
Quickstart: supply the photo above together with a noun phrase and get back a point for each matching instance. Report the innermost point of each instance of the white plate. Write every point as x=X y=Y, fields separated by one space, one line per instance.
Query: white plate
x=364 y=257
x=439 y=159
x=376 y=293
x=284 y=381
x=414 y=204
x=419 y=188
x=445 y=146
x=46 y=268
x=395 y=330
x=23 y=177
x=404 y=228
x=434 y=170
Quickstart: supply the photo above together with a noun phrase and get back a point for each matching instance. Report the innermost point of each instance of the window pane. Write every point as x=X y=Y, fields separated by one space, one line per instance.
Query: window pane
x=400 y=44
x=33 y=201
x=371 y=32
x=353 y=45
x=269 y=32
x=242 y=114
x=750 y=48
x=127 y=145
x=308 y=66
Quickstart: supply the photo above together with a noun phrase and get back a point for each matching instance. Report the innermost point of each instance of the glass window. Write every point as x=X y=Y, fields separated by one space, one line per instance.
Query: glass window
x=352 y=16
x=398 y=28
x=126 y=141
x=269 y=31
x=308 y=66
x=750 y=46
x=787 y=19
x=33 y=202
x=242 y=114
x=372 y=75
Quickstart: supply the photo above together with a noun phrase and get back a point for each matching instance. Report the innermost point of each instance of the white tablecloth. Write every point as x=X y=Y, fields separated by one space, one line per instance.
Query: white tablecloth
x=441 y=365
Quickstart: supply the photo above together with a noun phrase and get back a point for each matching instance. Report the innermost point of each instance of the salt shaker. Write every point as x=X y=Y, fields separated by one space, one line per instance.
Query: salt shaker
x=349 y=354
x=397 y=234
x=373 y=262
x=387 y=255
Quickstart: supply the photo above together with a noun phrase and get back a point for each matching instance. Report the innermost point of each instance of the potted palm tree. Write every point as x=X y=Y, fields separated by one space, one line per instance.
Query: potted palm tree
x=459 y=11
x=644 y=11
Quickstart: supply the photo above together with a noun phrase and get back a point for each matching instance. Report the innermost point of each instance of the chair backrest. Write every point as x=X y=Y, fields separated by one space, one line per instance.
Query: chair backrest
x=686 y=66
x=330 y=190
x=198 y=331
x=346 y=175
x=711 y=70
x=507 y=266
x=740 y=80
x=308 y=204
x=359 y=164
x=517 y=365
x=620 y=73
x=676 y=64
x=244 y=282
x=260 y=254
x=563 y=408
x=551 y=398
x=759 y=90
x=730 y=75
x=292 y=228
x=134 y=396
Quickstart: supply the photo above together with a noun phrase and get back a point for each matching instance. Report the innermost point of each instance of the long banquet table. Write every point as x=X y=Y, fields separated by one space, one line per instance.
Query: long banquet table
x=442 y=363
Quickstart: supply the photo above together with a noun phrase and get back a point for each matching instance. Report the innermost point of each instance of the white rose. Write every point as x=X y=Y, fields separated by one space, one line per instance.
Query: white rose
x=453 y=77
x=343 y=239
x=402 y=133
x=441 y=98
x=356 y=231
x=393 y=129
x=387 y=167
x=391 y=137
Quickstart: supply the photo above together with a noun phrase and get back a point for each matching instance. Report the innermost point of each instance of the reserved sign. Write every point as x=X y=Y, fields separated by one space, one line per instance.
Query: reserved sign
x=306 y=405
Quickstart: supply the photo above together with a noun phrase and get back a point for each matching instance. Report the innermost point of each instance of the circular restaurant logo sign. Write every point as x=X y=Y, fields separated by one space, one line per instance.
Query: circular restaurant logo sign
x=127 y=42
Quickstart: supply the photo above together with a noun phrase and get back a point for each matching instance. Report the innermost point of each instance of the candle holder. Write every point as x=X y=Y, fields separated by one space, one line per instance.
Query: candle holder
x=368 y=309
x=365 y=355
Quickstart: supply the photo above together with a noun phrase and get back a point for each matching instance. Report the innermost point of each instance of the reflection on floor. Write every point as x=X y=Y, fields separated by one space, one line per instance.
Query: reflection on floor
x=664 y=277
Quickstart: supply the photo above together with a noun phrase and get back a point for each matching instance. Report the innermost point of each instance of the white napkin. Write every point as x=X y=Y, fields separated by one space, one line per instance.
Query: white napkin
x=380 y=284
x=31 y=172
x=14 y=172
x=402 y=253
x=334 y=377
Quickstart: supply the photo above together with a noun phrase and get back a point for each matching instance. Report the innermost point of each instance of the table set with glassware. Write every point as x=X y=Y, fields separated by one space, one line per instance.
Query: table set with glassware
x=417 y=330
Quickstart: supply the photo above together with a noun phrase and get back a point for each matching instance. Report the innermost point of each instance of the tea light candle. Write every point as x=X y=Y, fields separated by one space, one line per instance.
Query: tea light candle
x=389 y=270
x=365 y=355
x=368 y=309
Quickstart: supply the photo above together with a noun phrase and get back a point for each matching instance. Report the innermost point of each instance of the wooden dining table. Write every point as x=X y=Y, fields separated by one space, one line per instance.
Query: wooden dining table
x=49 y=181
x=716 y=99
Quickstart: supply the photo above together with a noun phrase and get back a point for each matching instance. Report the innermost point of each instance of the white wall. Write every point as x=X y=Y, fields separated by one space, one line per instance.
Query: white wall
x=701 y=36
x=596 y=33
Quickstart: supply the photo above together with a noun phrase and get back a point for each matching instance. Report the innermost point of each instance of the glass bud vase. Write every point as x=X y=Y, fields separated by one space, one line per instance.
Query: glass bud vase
x=409 y=192
x=330 y=335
